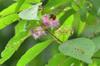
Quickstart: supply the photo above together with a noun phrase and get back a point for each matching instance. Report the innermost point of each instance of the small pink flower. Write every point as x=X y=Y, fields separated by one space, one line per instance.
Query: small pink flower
x=38 y=32
x=45 y=20
x=54 y=23
x=50 y=21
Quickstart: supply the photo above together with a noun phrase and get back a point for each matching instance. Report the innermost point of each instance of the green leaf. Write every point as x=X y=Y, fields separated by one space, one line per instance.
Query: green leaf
x=5 y=21
x=33 y=52
x=81 y=27
x=80 y=48
x=92 y=30
x=96 y=40
x=91 y=19
x=8 y=10
x=65 y=31
x=96 y=3
x=78 y=25
x=95 y=7
x=13 y=44
x=24 y=25
x=93 y=64
x=98 y=12
x=57 y=60
x=33 y=1
x=96 y=62
x=83 y=13
x=21 y=26
x=11 y=9
x=65 y=15
x=19 y=5
x=50 y=5
x=61 y=60
x=71 y=62
x=54 y=3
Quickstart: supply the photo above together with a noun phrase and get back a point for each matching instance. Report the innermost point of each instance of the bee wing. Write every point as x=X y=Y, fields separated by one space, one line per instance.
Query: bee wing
x=30 y=14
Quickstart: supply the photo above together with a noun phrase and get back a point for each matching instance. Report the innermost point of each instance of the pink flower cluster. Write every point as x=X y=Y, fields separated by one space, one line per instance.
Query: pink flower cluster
x=49 y=21
x=38 y=32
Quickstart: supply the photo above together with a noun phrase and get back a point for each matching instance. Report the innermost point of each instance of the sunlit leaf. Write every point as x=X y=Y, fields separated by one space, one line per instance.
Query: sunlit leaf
x=33 y=52
x=19 y=4
x=81 y=27
x=31 y=1
x=65 y=31
x=5 y=21
x=21 y=27
x=11 y=9
x=66 y=15
x=13 y=44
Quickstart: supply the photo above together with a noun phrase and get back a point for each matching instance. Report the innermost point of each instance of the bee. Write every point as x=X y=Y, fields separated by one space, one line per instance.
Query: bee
x=52 y=16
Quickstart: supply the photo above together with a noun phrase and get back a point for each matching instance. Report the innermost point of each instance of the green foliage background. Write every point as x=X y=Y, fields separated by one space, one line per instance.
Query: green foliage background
x=79 y=46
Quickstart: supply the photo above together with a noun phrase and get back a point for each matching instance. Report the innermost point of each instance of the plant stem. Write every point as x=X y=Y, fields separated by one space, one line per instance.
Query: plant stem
x=96 y=57
x=60 y=42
